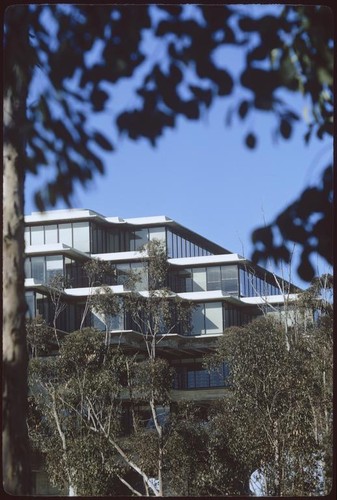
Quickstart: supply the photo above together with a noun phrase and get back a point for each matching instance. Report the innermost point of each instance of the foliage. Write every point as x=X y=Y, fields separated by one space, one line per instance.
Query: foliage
x=65 y=391
x=38 y=337
x=56 y=286
x=159 y=311
x=107 y=305
x=279 y=417
x=93 y=389
x=98 y=273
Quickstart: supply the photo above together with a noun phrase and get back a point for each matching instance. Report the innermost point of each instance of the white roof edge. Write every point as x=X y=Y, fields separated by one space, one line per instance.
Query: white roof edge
x=80 y=213
x=54 y=248
x=116 y=256
x=209 y=259
x=271 y=299
x=155 y=219
x=84 y=291
x=65 y=214
x=206 y=295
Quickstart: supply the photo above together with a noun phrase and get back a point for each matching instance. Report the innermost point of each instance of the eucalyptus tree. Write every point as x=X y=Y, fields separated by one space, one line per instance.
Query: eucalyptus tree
x=56 y=286
x=279 y=415
x=92 y=388
x=96 y=272
x=38 y=337
x=65 y=390
x=290 y=51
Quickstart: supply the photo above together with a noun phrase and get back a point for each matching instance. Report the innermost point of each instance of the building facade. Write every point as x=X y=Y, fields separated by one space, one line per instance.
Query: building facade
x=225 y=288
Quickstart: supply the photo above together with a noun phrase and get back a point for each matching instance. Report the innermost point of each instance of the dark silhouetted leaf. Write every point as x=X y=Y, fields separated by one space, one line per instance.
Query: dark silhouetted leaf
x=250 y=141
x=243 y=109
x=285 y=128
x=102 y=141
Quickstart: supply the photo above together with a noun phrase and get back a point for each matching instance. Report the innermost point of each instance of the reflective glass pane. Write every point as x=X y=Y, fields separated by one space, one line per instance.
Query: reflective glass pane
x=201 y=378
x=213 y=278
x=28 y=268
x=122 y=273
x=81 y=236
x=142 y=274
x=190 y=379
x=38 y=269
x=198 y=320
x=37 y=235
x=157 y=233
x=65 y=233
x=213 y=313
x=54 y=265
x=199 y=279
x=51 y=234
x=229 y=272
x=230 y=286
x=30 y=300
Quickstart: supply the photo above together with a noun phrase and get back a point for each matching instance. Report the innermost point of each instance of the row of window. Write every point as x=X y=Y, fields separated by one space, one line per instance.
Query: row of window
x=197 y=377
x=225 y=278
x=105 y=240
x=230 y=279
x=214 y=317
x=90 y=237
x=73 y=234
x=198 y=279
x=207 y=318
x=43 y=268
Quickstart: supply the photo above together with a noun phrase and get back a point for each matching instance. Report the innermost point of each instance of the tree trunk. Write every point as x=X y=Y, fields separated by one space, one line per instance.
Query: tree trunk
x=15 y=450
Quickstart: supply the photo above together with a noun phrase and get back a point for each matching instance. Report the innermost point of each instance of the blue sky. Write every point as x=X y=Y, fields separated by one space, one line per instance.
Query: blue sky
x=202 y=175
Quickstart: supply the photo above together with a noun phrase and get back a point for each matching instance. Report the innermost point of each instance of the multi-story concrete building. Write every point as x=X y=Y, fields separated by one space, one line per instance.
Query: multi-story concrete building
x=225 y=288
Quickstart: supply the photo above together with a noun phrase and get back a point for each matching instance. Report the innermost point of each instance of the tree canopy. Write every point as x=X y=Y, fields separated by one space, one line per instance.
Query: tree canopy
x=84 y=51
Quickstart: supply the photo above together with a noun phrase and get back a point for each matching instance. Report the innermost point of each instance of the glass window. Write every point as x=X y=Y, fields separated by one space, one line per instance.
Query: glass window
x=229 y=278
x=37 y=235
x=213 y=314
x=157 y=233
x=213 y=278
x=30 y=300
x=117 y=322
x=28 y=268
x=201 y=378
x=191 y=379
x=140 y=238
x=65 y=232
x=199 y=279
x=42 y=306
x=54 y=265
x=51 y=234
x=185 y=283
x=169 y=244
x=38 y=269
x=122 y=273
x=96 y=321
x=230 y=286
x=81 y=236
x=198 y=320
x=229 y=272
x=142 y=273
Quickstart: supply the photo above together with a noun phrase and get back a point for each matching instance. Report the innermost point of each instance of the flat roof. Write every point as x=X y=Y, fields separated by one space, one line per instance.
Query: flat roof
x=75 y=214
